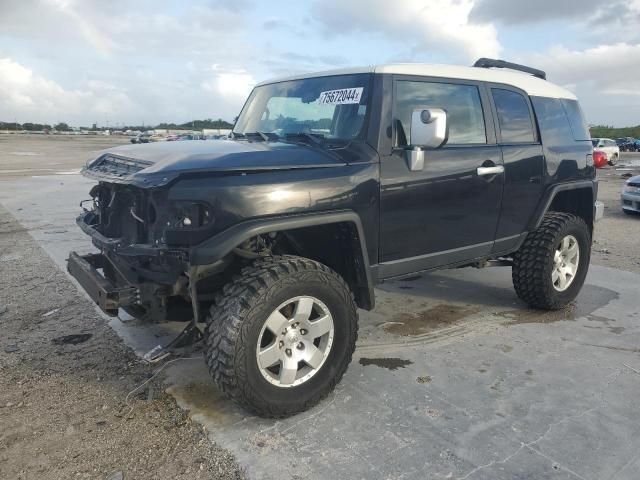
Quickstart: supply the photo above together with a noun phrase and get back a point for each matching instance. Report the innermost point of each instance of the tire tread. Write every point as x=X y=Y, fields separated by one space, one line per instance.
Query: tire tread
x=226 y=347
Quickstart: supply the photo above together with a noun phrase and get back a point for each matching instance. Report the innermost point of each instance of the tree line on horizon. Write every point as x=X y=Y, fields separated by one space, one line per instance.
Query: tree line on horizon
x=600 y=131
x=597 y=131
x=64 y=127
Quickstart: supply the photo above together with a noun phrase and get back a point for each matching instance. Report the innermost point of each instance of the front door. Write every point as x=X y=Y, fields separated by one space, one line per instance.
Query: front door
x=448 y=211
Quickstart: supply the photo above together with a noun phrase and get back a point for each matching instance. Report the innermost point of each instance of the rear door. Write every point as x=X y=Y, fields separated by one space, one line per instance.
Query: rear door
x=447 y=212
x=523 y=162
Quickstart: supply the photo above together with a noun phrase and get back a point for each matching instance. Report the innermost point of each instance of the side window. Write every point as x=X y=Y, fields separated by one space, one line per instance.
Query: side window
x=461 y=102
x=513 y=116
x=555 y=129
x=576 y=119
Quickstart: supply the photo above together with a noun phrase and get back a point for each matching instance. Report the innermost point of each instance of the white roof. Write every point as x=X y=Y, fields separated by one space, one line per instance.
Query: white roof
x=527 y=82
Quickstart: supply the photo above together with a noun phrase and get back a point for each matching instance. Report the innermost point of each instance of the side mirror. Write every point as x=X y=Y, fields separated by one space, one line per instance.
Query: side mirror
x=429 y=129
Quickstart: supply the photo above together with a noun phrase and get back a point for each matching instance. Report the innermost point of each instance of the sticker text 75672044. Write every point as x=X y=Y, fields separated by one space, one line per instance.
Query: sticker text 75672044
x=340 y=97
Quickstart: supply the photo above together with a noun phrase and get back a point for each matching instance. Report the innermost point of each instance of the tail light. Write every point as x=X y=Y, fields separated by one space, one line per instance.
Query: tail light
x=599 y=159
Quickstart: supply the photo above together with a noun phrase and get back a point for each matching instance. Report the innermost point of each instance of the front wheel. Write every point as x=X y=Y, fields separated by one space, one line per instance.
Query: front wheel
x=281 y=335
x=613 y=160
x=551 y=265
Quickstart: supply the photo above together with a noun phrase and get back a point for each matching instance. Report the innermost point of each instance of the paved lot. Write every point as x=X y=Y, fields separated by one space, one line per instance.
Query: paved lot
x=452 y=378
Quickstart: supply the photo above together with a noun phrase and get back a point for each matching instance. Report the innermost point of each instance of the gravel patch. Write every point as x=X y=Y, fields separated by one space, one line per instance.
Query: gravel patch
x=64 y=378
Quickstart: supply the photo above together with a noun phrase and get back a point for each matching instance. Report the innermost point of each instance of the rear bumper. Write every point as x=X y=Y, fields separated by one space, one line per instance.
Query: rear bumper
x=102 y=291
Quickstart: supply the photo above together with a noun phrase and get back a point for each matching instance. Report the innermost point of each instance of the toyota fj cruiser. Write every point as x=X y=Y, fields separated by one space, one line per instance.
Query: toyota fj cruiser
x=328 y=185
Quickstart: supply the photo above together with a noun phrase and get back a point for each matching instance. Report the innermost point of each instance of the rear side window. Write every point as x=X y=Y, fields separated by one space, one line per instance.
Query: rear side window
x=461 y=102
x=576 y=119
x=554 y=125
x=513 y=116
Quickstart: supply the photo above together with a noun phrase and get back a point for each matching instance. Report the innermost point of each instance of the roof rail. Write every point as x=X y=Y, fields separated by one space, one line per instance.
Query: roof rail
x=493 y=63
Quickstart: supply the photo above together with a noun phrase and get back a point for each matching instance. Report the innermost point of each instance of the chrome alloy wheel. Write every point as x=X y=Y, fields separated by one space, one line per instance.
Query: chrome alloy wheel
x=295 y=341
x=565 y=263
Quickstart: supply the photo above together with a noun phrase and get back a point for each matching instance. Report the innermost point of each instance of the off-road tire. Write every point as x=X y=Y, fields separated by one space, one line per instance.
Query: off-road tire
x=238 y=315
x=533 y=262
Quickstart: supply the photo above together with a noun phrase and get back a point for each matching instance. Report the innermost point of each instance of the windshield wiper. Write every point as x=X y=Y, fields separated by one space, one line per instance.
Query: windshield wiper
x=237 y=135
x=315 y=138
x=263 y=136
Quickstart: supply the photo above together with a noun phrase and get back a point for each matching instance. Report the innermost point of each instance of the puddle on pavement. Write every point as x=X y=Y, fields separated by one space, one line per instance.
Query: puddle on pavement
x=607 y=323
x=515 y=317
x=388 y=363
x=205 y=400
x=591 y=298
x=425 y=321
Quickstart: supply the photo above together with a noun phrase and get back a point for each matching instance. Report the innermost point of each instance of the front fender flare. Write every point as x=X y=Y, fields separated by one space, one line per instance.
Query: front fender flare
x=220 y=245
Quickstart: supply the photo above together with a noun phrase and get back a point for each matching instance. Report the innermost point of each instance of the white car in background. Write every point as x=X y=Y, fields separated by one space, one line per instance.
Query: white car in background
x=609 y=147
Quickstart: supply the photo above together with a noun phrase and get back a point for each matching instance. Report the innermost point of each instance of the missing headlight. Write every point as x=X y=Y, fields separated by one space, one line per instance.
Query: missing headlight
x=190 y=215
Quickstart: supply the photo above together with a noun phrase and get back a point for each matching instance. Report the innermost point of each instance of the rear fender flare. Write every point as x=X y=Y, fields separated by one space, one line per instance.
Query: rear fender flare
x=552 y=192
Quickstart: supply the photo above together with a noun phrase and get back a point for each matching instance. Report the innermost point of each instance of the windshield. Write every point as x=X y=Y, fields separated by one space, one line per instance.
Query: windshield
x=323 y=107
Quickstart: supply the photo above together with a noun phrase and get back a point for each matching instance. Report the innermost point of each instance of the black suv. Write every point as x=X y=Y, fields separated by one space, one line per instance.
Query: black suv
x=328 y=185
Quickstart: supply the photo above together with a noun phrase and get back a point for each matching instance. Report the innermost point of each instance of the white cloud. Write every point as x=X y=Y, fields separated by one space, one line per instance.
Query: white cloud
x=611 y=69
x=436 y=25
x=606 y=79
x=81 y=61
x=235 y=84
x=34 y=98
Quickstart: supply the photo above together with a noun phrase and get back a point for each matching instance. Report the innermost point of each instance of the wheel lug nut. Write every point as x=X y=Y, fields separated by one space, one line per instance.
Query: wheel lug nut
x=281 y=344
x=288 y=351
x=303 y=331
x=300 y=346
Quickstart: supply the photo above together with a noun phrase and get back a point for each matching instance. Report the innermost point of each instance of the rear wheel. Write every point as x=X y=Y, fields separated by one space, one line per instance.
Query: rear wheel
x=551 y=265
x=281 y=335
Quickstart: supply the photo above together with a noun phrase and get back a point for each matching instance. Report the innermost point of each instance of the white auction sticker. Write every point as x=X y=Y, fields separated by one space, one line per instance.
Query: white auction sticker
x=340 y=97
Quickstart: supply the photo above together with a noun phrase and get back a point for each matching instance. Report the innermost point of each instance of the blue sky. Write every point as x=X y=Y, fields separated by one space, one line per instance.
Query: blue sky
x=152 y=61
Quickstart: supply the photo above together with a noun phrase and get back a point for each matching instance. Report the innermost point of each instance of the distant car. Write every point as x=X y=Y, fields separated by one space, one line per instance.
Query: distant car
x=631 y=196
x=609 y=147
x=633 y=146
x=145 y=137
x=628 y=144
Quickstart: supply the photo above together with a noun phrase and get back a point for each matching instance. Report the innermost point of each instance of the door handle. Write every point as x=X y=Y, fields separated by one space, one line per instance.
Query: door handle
x=490 y=170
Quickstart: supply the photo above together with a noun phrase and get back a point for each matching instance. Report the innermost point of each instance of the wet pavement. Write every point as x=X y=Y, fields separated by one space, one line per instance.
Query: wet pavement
x=452 y=377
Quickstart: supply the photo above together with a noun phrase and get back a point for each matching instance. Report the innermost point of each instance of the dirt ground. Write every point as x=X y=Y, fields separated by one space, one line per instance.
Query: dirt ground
x=66 y=410
x=65 y=377
x=617 y=237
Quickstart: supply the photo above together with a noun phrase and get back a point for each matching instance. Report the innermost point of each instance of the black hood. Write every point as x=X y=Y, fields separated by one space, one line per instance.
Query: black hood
x=156 y=164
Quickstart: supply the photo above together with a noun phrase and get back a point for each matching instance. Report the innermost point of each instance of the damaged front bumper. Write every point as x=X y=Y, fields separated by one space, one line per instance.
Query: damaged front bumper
x=140 y=274
x=102 y=291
